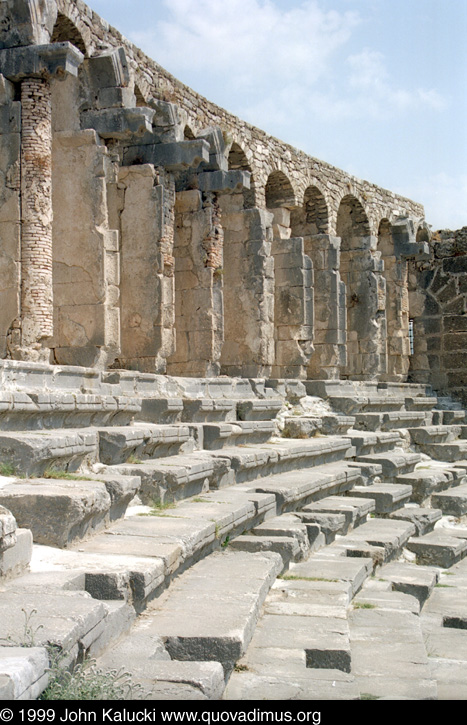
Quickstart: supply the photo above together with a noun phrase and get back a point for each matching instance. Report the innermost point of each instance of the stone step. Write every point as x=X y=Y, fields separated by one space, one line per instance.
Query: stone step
x=159 y=544
x=424 y=519
x=358 y=404
x=224 y=595
x=164 y=480
x=449 y=452
x=71 y=621
x=453 y=502
x=425 y=481
x=393 y=463
x=418 y=581
x=208 y=410
x=265 y=409
x=319 y=567
x=142 y=441
x=300 y=648
x=420 y=402
x=366 y=442
x=20 y=411
x=369 y=598
x=23 y=672
x=439 y=548
x=160 y=677
x=295 y=489
x=435 y=434
x=388 y=497
x=160 y=410
x=330 y=524
x=287 y=526
x=15 y=558
x=248 y=463
x=224 y=435
x=387 y=535
x=404 y=671
x=61 y=511
x=387 y=421
x=449 y=417
x=35 y=452
x=355 y=510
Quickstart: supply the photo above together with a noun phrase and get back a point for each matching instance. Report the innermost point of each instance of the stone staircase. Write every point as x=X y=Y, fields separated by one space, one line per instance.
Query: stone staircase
x=188 y=530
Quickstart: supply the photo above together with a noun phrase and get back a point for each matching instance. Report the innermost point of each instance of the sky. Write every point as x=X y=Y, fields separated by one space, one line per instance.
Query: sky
x=375 y=87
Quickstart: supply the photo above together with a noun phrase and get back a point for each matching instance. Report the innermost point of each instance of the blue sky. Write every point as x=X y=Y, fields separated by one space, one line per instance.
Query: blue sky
x=375 y=87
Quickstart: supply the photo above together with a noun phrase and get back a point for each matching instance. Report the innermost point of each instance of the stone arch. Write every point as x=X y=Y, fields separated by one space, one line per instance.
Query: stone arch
x=423 y=233
x=352 y=221
x=279 y=191
x=188 y=134
x=140 y=99
x=365 y=291
x=313 y=217
x=69 y=26
x=237 y=159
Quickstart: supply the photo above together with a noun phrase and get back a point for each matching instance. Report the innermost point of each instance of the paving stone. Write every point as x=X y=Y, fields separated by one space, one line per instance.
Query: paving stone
x=249 y=686
x=397 y=634
x=451 y=678
x=393 y=600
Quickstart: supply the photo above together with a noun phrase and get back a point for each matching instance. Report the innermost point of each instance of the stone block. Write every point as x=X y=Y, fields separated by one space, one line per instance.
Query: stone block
x=39 y=61
x=172 y=156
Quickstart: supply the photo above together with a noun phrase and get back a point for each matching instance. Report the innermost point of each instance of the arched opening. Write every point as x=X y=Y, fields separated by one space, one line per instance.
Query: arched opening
x=188 y=134
x=64 y=30
x=293 y=280
x=140 y=99
x=313 y=217
x=365 y=292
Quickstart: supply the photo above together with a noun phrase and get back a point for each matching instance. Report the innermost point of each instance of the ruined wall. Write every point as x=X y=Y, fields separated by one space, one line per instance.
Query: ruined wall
x=183 y=239
x=438 y=307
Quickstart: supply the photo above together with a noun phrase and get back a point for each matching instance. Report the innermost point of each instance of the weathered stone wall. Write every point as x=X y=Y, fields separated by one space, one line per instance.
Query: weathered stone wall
x=263 y=152
x=438 y=306
x=183 y=238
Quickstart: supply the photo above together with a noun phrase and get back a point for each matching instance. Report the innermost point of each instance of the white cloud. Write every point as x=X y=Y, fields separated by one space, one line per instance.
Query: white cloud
x=275 y=62
x=249 y=43
x=370 y=79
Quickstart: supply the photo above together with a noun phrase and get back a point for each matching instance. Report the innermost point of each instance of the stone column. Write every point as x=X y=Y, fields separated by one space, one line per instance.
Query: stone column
x=36 y=218
x=330 y=312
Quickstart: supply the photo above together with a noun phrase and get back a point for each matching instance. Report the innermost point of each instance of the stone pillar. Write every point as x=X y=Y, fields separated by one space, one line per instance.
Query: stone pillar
x=248 y=287
x=36 y=219
x=366 y=311
x=33 y=67
x=329 y=307
x=293 y=308
x=198 y=254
